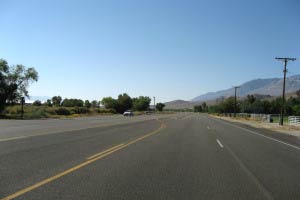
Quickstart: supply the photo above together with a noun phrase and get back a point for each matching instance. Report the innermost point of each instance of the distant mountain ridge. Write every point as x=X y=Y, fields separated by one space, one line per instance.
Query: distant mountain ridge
x=271 y=86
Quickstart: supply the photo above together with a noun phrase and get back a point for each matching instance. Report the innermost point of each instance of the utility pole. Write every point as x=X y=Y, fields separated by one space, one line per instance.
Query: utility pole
x=22 y=107
x=154 y=104
x=285 y=60
x=235 y=89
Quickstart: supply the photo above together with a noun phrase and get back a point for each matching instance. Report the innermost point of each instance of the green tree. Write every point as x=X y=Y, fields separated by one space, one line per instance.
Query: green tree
x=214 y=108
x=204 y=106
x=160 y=106
x=296 y=110
x=141 y=103
x=251 y=98
x=109 y=103
x=72 y=103
x=37 y=103
x=227 y=106
x=276 y=105
x=56 y=100
x=124 y=103
x=266 y=105
x=298 y=94
x=87 y=104
x=14 y=82
x=198 y=108
x=95 y=104
x=48 y=103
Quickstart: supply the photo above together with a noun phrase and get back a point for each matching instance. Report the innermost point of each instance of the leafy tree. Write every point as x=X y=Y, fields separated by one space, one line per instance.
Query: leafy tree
x=141 y=103
x=227 y=106
x=124 y=103
x=251 y=99
x=87 y=104
x=296 y=110
x=95 y=104
x=109 y=103
x=48 y=103
x=214 y=108
x=276 y=105
x=298 y=94
x=160 y=106
x=14 y=82
x=267 y=107
x=198 y=108
x=37 y=103
x=72 y=103
x=56 y=100
x=204 y=106
x=254 y=105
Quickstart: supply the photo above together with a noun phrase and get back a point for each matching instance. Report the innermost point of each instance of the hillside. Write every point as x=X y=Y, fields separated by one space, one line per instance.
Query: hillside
x=181 y=104
x=272 y=87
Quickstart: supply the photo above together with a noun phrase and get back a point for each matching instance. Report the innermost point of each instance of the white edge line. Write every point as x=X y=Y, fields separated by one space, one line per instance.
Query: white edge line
x=219 y=143
x=261 y=135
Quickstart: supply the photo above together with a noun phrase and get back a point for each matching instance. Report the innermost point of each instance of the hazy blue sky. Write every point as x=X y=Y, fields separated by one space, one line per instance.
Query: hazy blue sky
x=168 y=49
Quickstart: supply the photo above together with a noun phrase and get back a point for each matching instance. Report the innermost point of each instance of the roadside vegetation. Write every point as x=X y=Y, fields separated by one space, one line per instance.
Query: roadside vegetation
x=57 y=107
x=14 y=83
x=252 y=104
x=125 y=102
x=38 y=112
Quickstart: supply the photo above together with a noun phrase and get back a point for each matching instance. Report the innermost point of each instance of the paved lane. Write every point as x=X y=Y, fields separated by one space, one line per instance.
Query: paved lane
x=16 y=129
x=188 y=156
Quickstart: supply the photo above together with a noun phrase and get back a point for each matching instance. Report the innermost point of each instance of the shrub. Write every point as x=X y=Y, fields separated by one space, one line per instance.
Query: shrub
x=79 y=110
x=296 y=110
x=12 y=110
x=62 y=111
x=112 y=111
x=37 y=103
x=36 y=114
x=50 y=110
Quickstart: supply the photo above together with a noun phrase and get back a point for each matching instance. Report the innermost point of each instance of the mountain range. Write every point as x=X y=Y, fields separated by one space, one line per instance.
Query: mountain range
x=267 y=87
x=271 y=86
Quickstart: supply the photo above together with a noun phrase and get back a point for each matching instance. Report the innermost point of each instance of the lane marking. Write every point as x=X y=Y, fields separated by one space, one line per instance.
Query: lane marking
x=245 y=129
x=219 y=143
x=71 y=130
x=105 y=151
x=79 y=166
x=208 y=127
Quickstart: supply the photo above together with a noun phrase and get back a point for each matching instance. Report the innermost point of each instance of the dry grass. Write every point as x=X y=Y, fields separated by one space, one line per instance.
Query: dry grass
x=41 y=112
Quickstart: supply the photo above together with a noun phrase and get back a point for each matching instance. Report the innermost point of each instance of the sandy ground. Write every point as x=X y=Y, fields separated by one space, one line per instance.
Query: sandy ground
x=286 y=129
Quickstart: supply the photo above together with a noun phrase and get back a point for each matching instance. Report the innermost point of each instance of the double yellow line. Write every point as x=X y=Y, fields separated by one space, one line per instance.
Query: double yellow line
x=88 y=161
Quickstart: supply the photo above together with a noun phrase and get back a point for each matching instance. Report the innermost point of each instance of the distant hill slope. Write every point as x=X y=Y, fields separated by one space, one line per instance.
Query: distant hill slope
x=272 y=86
x=179 y=104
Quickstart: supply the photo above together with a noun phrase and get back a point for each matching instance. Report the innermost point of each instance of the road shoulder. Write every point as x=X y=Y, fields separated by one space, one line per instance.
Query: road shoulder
x=293 y=139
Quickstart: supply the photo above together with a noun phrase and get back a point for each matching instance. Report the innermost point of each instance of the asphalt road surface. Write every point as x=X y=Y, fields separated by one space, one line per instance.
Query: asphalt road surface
x=181 y=156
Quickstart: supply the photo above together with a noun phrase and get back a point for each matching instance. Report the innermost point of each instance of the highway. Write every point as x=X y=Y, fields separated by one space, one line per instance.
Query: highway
x=176 y=156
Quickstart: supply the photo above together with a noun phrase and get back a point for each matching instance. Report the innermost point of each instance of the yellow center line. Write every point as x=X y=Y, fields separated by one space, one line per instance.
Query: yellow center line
x=105 y=151
x=89 y=161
